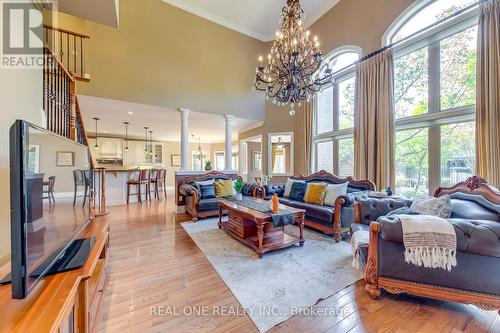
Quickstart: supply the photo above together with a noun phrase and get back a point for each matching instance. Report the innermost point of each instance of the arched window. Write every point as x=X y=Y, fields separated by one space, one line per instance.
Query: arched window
x=334 y=114
x=421 y=15
x=434 y=95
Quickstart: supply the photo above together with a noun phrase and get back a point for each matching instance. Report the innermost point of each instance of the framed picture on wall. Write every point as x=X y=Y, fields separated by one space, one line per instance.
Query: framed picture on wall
x=34 y=159
x=175 y=160
x=65 y=158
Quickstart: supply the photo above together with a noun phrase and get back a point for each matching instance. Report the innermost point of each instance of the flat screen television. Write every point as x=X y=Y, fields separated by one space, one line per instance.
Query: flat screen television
x=50 y=205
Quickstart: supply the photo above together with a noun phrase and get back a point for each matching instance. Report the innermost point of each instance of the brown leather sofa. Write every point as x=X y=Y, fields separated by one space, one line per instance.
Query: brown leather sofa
x=329 y=220
x=476 y=218
x=199 y=208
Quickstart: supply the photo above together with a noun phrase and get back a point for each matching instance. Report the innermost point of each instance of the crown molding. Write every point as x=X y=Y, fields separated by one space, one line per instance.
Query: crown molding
x=195 y=10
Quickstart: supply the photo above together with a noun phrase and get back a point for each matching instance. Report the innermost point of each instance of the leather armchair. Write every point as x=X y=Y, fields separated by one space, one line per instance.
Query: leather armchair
x=476 y=219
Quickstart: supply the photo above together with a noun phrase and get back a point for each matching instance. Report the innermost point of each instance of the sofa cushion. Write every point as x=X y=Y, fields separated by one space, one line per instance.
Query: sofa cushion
x=298 y=191
x=321 y=213
x=224 y=188
x=473 y=272
x=473 y=236
x=470 y=210
x=315 y=193
x=359 y=226
x=207 y=191
x=333 y=191
x=426 y=205
x=288 y=186
x=208 y=204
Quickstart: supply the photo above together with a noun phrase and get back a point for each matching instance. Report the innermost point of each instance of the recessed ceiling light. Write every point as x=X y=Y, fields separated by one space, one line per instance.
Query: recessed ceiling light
x=130 y=112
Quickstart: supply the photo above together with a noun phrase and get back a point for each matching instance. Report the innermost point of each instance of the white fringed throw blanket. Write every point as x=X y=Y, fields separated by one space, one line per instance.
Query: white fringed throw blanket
x=429 y=241
x=358 y=238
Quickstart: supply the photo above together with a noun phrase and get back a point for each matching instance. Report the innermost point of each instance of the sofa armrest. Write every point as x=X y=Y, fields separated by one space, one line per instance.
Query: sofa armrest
x=249 y=189
x=370 y=209
x=270 y=190
x=350 y=198
x=188 y=190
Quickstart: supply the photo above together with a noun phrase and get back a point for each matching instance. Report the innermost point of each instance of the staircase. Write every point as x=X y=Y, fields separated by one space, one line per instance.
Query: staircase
x=62 y=69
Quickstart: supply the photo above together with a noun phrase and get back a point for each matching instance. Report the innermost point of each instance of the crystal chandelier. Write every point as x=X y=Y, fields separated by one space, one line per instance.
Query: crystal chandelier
x=292 y=74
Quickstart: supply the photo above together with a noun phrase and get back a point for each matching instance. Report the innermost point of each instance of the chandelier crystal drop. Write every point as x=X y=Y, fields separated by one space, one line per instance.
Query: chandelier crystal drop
x=295 y=68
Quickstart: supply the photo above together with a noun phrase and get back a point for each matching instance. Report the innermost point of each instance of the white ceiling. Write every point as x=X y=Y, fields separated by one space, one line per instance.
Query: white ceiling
x=255 y=18
x=100 y=11
x=164 y=122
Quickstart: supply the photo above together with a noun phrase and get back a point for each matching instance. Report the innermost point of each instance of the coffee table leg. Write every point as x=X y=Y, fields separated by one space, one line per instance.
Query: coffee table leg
x=220 y=218
x=301 y=228
x=260 y=234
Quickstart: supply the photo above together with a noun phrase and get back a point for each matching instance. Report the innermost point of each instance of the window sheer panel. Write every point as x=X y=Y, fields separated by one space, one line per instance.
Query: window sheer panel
x=324 y=109
x=324 y=156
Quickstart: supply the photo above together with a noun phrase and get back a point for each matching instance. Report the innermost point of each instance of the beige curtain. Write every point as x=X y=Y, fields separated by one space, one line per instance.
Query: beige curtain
x=374 y=120
x=307 y=118
x=488 y=93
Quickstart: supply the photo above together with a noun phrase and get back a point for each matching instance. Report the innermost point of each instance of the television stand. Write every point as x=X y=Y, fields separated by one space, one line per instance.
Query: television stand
x=71 y=301
x=73 y=257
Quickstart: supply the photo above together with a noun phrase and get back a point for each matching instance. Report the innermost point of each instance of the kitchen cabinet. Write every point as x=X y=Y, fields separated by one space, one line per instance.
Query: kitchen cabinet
x=110 y=148
x=137 y=155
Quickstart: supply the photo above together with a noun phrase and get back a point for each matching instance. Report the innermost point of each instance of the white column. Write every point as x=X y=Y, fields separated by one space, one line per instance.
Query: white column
x=229 y=141
x=185 y=139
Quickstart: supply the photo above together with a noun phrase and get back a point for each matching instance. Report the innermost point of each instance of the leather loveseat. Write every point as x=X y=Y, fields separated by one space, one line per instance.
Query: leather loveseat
x=196 y=206
x=475 y=217
x=329 y=220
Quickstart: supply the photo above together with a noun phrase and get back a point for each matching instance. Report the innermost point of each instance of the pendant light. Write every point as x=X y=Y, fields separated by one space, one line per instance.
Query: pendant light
x=151 y=142
x=96 y=147
x=126 y=135
x=146 y=139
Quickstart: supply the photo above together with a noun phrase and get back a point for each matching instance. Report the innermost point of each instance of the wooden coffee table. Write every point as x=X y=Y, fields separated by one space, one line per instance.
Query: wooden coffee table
x=256 y=230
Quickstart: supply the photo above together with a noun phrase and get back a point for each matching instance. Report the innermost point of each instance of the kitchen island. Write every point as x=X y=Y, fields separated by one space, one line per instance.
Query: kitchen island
x=116 y=186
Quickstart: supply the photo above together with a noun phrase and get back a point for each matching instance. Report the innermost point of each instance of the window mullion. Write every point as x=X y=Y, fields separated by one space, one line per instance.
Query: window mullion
x=335 y=113
x=434 y=140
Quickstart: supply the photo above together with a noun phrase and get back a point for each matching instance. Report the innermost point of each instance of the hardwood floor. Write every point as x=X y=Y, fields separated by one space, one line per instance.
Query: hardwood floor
x=155 y=266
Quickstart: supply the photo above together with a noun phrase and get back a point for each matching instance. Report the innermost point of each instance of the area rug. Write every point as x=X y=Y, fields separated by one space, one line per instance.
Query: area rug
x=273 y=289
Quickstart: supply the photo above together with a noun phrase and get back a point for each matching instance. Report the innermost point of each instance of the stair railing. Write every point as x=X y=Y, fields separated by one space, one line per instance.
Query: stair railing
x=69 y=48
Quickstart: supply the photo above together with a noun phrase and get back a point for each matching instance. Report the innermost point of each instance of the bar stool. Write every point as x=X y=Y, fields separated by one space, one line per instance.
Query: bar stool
x=152 y=178
x=81 y=178
x=144 y=179
x=159 y=180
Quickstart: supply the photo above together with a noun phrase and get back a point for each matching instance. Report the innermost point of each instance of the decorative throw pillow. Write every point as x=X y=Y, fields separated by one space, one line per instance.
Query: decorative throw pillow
x=297 y=191
x=207 y=191
x=315 y=193
x=426 y=205
x=224 y=188
x=288 y=186
x=333 y=191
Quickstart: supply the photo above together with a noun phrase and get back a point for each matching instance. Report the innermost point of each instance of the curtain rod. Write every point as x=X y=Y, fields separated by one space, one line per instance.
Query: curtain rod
x=374 y=53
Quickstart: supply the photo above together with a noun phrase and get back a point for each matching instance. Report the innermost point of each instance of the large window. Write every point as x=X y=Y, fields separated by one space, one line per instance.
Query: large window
x=434 y=95
x=219 y=160
x=334 y=117
x=198 y=159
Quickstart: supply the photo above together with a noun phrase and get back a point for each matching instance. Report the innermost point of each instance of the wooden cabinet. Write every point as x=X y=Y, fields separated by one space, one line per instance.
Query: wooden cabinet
x=68 y=302
x=110 y=147
x=137 y=154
